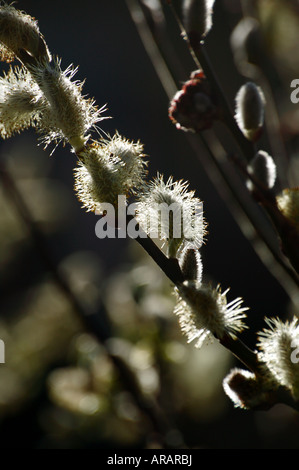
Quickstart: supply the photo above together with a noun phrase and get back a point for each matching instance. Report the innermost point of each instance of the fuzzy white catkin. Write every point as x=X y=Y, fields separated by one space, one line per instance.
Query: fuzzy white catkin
x=169 y=211
x=250 y=110
x=204 y=313
x=197 y=16
x=69 y=115
x=109 y=169
x=277 y=345
x=21 y=102
x=19 y=31
x=263 y=168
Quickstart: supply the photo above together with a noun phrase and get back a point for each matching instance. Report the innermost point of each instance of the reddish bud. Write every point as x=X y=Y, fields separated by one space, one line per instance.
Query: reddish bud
x=194 y=107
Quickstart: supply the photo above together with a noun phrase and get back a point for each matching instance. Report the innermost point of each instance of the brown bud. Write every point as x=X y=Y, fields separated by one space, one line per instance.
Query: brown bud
x=195 y=106
x=246 y=390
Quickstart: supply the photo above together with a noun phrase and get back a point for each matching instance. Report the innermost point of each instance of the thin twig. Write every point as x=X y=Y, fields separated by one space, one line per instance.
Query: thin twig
x=151 y=47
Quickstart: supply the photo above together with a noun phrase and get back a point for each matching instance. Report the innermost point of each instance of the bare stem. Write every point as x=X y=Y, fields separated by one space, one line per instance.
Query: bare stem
x=241 y=352
x=169 y=266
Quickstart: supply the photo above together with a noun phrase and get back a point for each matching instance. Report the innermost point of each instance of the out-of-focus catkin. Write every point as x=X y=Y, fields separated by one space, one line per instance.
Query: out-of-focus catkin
x=288 y=204
x=197 y=17
x=250 y=110
x=263 y=168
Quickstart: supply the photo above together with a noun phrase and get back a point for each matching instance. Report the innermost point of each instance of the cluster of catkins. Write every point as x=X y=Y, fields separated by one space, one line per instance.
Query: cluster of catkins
x=195 y=108
x=41 y=95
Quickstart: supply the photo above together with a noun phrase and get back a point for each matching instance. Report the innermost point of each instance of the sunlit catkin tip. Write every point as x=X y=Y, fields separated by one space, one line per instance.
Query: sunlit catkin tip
x=278 y=350
x=250 y=110
x=19 y=32
x=263 y=168
x=245 y=390
x=191 y=265
x=197 y=16
x=204 y=313
x=108 y=169
x=288 y=204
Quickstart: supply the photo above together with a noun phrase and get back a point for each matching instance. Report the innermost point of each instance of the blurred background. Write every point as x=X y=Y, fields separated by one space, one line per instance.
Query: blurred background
x=58 y=388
